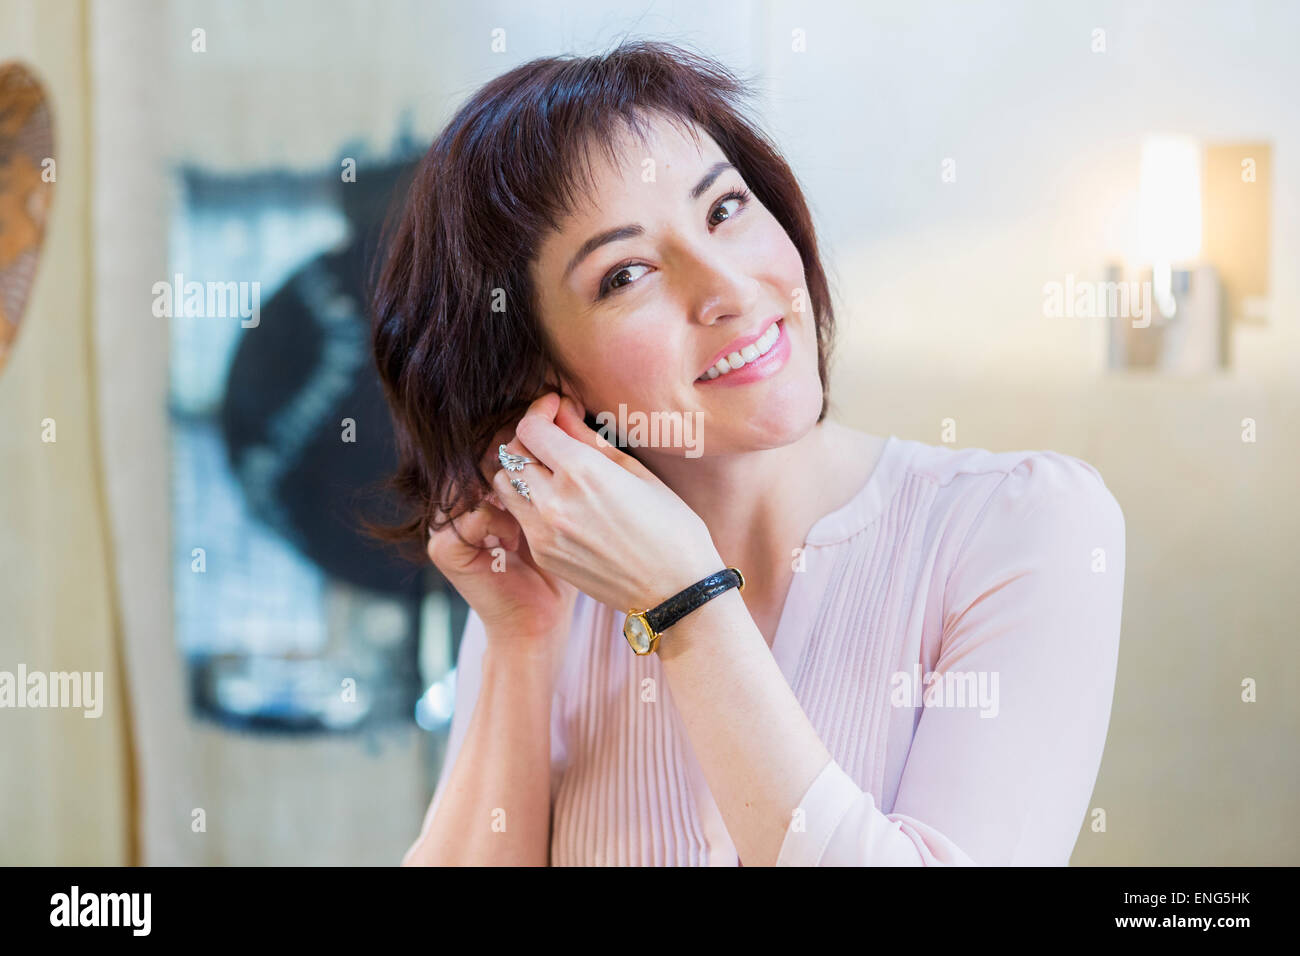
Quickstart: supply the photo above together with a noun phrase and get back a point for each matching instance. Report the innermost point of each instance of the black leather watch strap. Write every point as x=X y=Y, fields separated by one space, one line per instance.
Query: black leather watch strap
x=665 y=615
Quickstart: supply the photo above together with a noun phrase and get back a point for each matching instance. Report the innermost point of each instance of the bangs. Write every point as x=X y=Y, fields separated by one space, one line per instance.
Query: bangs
x=534 y=144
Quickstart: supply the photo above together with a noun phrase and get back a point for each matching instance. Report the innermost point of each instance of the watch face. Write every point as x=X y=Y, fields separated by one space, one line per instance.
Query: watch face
x=638 y=633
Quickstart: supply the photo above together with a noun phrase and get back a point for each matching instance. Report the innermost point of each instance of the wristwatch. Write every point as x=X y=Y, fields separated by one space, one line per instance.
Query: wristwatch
x=643 y=628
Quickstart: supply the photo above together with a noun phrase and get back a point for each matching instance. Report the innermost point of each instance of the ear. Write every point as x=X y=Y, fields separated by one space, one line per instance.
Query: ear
x=561 y=383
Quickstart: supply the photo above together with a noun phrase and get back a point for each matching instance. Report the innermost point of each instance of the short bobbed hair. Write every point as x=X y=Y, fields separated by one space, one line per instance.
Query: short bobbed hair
x=508 y=167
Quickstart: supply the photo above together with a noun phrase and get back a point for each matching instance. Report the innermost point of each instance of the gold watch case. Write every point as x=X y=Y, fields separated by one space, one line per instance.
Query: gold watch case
x=641 y=637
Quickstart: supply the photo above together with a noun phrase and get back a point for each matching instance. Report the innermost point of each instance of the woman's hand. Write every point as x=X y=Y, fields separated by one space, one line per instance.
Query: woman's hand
x=598 y=518
x=523 y=608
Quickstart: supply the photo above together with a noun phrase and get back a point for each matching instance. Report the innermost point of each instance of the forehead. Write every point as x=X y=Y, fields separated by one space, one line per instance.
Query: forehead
x=617 y=182
x=674 y=146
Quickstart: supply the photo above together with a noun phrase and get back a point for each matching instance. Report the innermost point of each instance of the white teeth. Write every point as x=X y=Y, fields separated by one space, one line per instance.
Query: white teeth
x=761 y=346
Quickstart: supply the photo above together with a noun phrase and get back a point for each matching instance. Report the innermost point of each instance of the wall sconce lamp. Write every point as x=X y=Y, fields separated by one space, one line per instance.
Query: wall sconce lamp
x=1201 y=257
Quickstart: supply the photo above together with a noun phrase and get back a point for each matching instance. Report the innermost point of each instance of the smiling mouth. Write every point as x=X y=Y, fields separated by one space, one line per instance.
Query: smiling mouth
x=749 y=354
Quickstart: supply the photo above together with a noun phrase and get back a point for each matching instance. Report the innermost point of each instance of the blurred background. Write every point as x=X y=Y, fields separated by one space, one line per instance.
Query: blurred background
x=1063 y=226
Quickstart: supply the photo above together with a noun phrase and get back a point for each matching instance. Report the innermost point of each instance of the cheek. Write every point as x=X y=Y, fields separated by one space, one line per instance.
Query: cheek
x=624 y=367
x=781 y=267
x=772 y=252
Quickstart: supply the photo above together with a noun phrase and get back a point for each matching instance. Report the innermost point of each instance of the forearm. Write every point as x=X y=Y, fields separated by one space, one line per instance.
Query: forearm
x=757 y=748
x=495 y=809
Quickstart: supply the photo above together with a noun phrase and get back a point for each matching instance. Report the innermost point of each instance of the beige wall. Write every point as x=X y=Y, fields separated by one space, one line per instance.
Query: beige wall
x=64 y=778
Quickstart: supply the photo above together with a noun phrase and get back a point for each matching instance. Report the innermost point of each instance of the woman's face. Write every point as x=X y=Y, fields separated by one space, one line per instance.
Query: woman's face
x=665 y=269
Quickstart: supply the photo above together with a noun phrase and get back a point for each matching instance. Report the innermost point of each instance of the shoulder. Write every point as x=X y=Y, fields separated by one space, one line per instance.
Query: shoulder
x=1042 y=517
x=940 y=494
x=1037 y=528
x=1031 y=487
x=946 y=465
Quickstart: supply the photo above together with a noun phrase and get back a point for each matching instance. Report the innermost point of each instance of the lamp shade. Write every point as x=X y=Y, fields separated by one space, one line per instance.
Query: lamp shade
x=1169 y=201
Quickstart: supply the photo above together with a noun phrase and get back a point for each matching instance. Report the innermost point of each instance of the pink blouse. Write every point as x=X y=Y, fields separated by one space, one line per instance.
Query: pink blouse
x=952 y=633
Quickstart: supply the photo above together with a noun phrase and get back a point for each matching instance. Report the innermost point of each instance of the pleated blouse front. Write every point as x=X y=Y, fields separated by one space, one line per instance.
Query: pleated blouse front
x=997 y=573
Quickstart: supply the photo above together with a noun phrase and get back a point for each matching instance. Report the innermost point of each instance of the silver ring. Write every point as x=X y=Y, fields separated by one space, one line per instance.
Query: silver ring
x=521 y=486
x=511 y=461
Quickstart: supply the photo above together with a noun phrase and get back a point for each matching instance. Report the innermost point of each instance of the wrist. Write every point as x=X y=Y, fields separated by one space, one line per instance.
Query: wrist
x=644 y=627
x=708 y=623
x=693 y=566
x=520 y=657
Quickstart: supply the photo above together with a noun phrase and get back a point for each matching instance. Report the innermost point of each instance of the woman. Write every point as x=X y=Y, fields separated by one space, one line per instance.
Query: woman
x=610 y=240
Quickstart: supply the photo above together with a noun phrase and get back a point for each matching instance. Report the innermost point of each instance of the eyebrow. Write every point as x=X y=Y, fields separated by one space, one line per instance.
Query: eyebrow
x=633 y=230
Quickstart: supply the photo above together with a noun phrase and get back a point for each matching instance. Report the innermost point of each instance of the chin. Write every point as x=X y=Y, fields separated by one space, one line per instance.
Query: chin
x=784 y=418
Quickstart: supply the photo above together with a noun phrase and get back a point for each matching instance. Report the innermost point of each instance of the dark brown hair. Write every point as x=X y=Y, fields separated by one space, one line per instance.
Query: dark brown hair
x=508 y=167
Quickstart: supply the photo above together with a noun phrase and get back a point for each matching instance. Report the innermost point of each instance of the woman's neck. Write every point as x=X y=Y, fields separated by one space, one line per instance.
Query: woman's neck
x=760 y=505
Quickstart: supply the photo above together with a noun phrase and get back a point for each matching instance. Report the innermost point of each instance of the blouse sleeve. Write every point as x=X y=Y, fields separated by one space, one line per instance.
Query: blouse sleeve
x=1031 y=608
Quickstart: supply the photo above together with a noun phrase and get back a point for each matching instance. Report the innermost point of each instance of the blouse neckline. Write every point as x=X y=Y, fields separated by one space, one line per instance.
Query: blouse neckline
x=805 y=592
x=869 y=501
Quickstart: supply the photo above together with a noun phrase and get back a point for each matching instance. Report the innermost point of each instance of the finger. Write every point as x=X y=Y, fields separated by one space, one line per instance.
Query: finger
x=551 y=444
x=502 y=526
x=470 y=529
x=520 y=508
x=570 y=419
x=490 y=463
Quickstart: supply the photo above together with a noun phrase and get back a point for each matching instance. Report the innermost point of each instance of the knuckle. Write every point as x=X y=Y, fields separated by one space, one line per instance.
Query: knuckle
x=544 y=510
x=560 y=528
x=576 y=478
x=564 y=482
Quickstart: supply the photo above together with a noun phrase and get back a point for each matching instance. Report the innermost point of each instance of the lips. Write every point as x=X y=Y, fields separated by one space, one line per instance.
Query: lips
x=775 y=348
x=745 y=348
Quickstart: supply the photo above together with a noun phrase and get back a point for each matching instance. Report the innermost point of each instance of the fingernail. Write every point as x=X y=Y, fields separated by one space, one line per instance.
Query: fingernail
x=492 y=541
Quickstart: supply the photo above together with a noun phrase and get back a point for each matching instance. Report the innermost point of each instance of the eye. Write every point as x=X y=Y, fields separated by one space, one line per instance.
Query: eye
x=740 y=196
x=610 y=284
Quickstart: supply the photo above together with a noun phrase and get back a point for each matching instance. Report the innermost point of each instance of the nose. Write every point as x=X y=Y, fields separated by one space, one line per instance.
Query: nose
x=718 y=283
